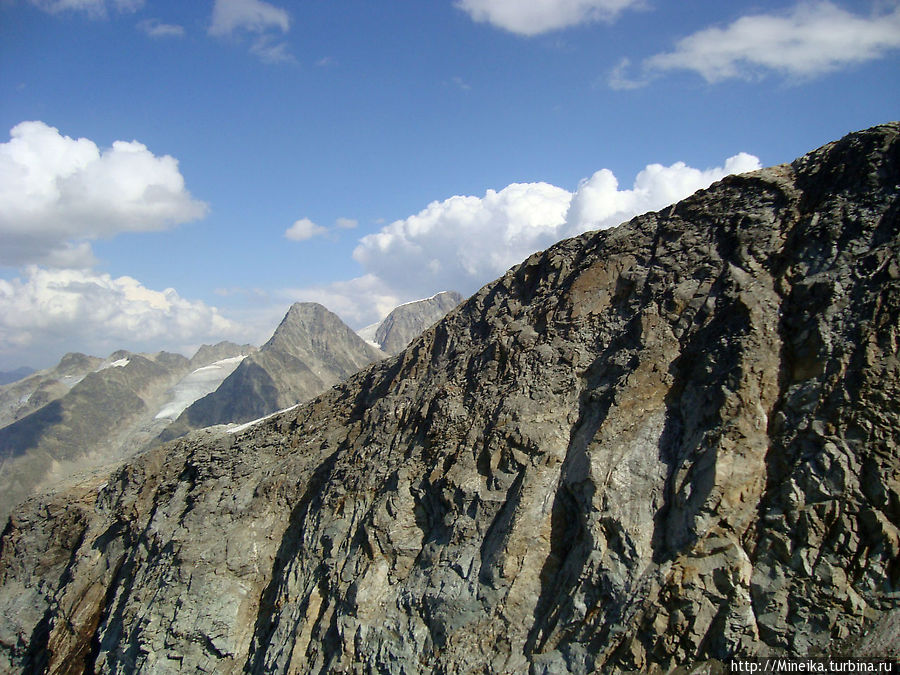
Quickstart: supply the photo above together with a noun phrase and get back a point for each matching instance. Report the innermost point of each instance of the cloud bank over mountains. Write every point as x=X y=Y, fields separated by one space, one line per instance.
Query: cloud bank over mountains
x=463 y=242
x=57 y=311
x=57 y=194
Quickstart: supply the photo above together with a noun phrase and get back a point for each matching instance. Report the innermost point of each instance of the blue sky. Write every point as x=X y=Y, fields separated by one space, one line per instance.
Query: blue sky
x=246 y=154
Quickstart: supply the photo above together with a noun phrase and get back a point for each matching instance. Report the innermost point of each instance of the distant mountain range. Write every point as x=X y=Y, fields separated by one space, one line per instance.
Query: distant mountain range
x=311 y=350
x=87 y=411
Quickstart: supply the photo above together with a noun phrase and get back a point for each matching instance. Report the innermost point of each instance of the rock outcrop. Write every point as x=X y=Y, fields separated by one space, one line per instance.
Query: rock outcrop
x=669 y=442
x=311 y=350
x=21 y=398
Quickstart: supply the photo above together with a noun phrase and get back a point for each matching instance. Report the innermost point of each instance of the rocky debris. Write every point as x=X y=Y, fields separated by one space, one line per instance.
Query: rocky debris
x=668 y=443
x=311 y=350
x=408 y=321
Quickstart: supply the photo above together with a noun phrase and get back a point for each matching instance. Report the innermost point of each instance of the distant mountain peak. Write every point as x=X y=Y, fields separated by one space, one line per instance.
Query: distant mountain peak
x=407 y=321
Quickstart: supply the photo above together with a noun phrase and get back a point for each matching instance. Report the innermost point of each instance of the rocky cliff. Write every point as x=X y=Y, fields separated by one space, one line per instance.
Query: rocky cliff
x=669 y=442
x=311 y=350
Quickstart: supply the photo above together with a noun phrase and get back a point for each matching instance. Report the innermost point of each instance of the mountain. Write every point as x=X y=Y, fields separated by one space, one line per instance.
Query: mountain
x=671 y=442
x=407 y=321
x=311 y=350
x=9 y=376
x=86 y=412
x=23 y=397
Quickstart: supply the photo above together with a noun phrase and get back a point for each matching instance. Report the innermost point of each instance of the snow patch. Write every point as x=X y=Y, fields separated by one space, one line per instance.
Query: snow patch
x=121 y=363
x=247 y=425
x=368 y=333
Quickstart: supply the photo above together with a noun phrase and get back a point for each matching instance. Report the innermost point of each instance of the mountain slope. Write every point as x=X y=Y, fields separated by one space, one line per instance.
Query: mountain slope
x=311 y=350
x=23 y=397
x=86 y=412
x=668 y=442
x=406 y=322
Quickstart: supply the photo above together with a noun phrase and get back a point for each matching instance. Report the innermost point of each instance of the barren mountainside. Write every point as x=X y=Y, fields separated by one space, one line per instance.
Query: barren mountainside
x=669 y=442
x=407 y=321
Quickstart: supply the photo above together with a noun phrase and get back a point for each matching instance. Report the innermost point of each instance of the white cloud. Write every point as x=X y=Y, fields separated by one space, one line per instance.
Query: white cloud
x=94 y=8
x=57 y=193
x=254 y=16
x=263 y=21
x=304 y=229
x=540 y=16
x=464 y=242
x=808 y=41
x=346 y=223
x=156 y=29
x=54 y=311
x=271 y=50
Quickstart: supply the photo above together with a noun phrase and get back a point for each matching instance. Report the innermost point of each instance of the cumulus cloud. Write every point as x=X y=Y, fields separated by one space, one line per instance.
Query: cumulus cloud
x=304 y=229
x=464 y=240
x=263 y=21
x=540 y=16
x=58 y=193
x=54 y=311
x=808 y=41
x=94 y=8
x=157 y=29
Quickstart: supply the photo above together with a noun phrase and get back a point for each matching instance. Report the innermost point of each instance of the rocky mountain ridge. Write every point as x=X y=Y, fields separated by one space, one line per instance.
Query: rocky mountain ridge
x=671 y=442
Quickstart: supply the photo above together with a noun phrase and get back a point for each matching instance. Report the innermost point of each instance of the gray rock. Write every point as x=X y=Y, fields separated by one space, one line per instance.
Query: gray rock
x=650 y=448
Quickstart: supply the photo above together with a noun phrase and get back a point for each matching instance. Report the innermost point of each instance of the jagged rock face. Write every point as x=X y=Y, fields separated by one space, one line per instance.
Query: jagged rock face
x=406 y=322
x=311 y=350
x=671 y=441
